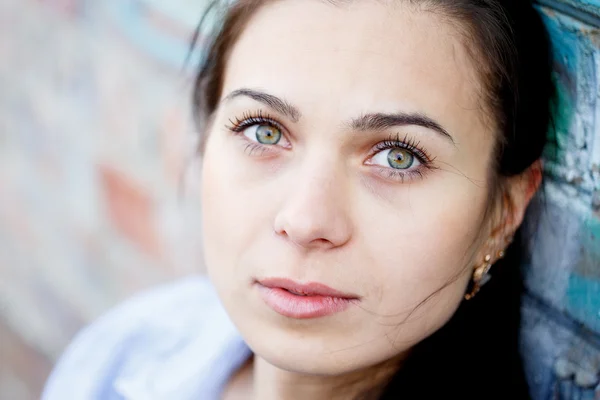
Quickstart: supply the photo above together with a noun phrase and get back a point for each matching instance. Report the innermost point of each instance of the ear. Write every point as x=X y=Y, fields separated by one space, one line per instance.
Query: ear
x=517 y=192
x=520 y=190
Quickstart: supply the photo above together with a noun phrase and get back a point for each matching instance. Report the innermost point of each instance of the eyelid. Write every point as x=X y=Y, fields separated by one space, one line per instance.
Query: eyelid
x=407 y=143
x=416 y=159
x=254 y=118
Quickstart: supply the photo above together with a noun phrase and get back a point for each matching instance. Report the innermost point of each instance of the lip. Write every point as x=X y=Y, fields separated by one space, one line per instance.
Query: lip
x=303 y=300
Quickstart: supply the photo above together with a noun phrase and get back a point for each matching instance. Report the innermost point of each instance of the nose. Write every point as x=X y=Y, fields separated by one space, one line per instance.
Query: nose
x=313 y=214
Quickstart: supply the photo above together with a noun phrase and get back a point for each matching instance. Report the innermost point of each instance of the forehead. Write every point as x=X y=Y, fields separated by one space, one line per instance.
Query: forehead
x=357 y=57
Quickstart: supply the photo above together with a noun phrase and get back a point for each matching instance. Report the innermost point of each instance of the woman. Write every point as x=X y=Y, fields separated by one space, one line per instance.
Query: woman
x=364 y=165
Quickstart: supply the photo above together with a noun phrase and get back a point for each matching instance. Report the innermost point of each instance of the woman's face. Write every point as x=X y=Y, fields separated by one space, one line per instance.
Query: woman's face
x=349 y=149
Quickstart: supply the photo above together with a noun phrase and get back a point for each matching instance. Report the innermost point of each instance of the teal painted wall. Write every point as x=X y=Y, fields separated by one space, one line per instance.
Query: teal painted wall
x=562 y=312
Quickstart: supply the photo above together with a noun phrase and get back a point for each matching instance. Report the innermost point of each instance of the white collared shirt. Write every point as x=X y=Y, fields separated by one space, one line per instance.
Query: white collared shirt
x=174 y=342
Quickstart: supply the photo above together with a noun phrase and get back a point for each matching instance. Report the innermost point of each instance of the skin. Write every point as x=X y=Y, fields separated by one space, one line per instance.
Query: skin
x=323 y=206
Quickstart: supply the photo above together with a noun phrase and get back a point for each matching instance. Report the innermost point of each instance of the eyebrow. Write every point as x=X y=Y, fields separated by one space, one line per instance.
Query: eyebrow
x=366 y=122
x=279 y=105
x=382 y=121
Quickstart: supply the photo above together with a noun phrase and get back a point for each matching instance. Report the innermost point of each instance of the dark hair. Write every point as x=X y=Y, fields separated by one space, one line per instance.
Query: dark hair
x=476 y=354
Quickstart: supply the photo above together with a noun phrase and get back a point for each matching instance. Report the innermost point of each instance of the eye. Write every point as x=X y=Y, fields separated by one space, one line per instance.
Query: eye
x=263 y=134
x=396 y=158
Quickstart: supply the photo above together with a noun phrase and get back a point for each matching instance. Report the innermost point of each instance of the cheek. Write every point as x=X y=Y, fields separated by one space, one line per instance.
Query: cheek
x=222 y=210
x=236 y=211
x=425 y=247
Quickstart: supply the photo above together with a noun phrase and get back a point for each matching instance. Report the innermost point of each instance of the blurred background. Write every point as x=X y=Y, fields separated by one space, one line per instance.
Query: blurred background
x=95 y=136
x=94 y=140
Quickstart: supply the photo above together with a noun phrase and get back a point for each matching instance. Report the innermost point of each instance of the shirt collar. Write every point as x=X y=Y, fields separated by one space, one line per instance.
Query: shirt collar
x=192 y=361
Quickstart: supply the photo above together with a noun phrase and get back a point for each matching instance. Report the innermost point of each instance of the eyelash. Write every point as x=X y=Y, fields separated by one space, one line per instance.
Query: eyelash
x=248 y=119
x=415 y=148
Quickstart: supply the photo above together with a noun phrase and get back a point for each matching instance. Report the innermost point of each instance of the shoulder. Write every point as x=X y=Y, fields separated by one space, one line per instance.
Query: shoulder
x=132 y=337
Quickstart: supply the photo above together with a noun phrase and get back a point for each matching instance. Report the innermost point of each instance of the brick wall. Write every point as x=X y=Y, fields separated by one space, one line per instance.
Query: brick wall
x=561 y=335
x=94 y=132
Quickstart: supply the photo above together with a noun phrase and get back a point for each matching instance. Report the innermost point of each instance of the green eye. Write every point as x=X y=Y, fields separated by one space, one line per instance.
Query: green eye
x=268 y=134
x=400 y=158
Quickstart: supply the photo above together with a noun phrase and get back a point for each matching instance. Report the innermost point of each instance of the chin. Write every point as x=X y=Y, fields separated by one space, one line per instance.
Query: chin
x=304 y=358
x=314 y=352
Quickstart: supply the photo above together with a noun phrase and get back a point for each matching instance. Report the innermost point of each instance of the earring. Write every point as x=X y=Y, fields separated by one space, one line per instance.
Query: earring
x=481 y=275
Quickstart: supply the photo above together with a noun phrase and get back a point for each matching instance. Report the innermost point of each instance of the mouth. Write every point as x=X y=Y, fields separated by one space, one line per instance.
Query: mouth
x=303 y=300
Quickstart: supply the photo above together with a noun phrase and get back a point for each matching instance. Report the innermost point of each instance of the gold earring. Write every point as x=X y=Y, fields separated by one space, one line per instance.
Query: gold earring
x=481 y=274
x=480 y=277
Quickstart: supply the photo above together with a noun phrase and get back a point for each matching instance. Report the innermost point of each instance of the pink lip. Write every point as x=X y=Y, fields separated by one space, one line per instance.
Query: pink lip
x=313 y=300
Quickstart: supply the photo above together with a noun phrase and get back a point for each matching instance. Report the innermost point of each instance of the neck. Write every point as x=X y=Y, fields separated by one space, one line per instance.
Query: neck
x=272 y=383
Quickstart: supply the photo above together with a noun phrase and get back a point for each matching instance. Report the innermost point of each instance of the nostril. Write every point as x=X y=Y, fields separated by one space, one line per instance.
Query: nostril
x=323 y=242
x=309 y=226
